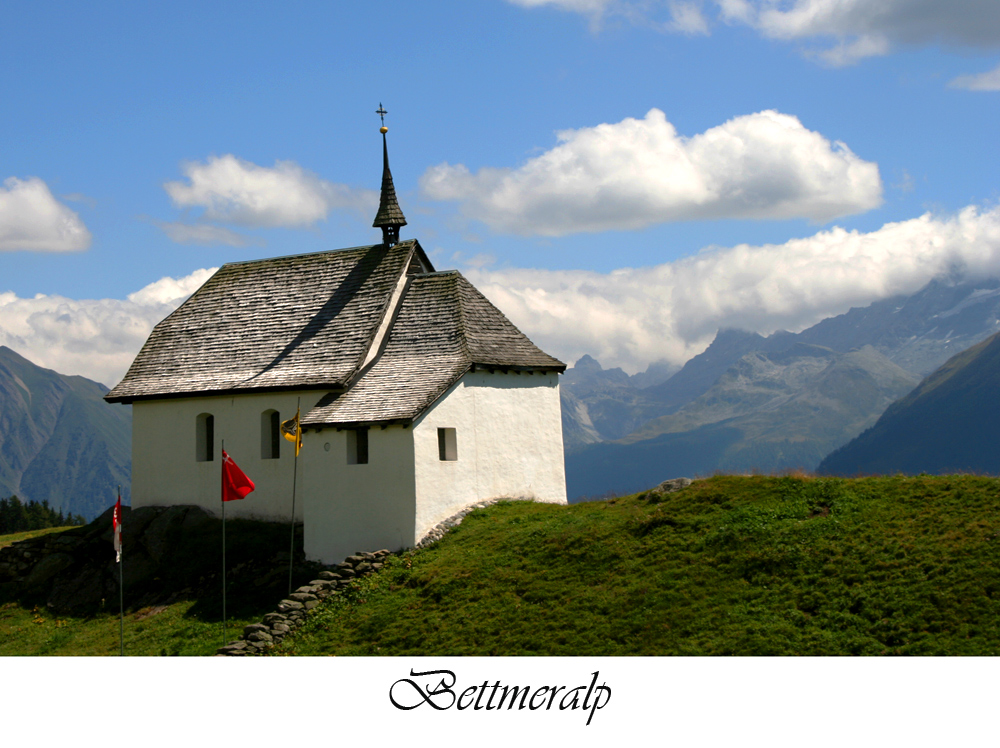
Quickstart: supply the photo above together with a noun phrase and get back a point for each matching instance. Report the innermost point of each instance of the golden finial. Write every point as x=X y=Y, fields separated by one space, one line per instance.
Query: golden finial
x=381 y=112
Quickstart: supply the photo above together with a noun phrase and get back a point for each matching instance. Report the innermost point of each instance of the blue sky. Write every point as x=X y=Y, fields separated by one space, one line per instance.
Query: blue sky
x=146 y=143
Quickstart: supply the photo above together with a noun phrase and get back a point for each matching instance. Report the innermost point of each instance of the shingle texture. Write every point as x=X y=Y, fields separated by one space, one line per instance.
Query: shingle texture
x=389 y=212
x=442 y=328
x=309 y=322
x=302 y=321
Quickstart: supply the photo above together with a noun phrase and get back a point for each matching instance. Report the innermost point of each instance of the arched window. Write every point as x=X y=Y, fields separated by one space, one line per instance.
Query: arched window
x=205 y=437
x=270 y=435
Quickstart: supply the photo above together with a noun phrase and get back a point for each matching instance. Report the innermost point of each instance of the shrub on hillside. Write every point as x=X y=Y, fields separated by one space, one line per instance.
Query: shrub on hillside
x=18 y=516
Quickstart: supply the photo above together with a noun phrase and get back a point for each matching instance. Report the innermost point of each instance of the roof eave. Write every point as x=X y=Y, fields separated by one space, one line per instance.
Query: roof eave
x=128 y=399
x=342 y=425
x=518 y=368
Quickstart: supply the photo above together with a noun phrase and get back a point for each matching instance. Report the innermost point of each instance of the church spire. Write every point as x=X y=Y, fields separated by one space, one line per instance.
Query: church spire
x=389 y=217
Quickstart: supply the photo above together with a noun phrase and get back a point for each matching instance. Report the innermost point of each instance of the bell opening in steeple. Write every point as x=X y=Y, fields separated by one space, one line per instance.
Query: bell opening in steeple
x=389 y=217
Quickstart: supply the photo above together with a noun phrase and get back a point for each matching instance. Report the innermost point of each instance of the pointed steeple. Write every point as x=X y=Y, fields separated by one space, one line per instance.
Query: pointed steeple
x=389 y=217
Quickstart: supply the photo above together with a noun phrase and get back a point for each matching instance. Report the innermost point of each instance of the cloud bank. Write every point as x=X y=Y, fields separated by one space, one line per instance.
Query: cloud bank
x=631 y=317
x=867 y=27
x=640 y=172
x=32 y=219
x=96 y=338
x=857 y=28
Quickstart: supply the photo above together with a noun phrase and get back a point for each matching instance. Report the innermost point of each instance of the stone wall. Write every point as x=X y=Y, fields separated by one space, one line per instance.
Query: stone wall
x=291 y=612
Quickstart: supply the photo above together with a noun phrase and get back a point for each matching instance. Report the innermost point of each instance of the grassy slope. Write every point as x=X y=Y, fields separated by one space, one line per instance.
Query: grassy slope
x=185 y=626
x=731 y=565
x=16 y=537
x=176 y=629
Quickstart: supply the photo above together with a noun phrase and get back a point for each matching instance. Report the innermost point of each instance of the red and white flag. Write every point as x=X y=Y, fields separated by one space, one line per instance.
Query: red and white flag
x=235 y=484
x=116 y=529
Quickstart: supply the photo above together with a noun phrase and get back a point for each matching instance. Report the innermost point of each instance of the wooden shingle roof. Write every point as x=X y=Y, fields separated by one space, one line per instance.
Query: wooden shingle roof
x=310 y=322
x=305 y=321
x=443 y=328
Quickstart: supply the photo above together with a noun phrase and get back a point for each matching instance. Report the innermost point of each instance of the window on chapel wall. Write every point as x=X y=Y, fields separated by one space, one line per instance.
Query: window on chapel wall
x=205 y=437
x=357 y=446
x=270 y=435
x=447 y=445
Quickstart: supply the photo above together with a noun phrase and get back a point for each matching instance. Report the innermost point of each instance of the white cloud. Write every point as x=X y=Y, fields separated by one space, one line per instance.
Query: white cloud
x=988 y=81
x=864 y=28
x=232 y=190
x=857 y=28
x=95 y=338
x=686 y=18
x=32 y=219
x=587 y=7
x=593 y=9
x=681 y=16
x=206 y=235
x=974 y=23
x=635 y=173
x=631 y=317
x=170 y=292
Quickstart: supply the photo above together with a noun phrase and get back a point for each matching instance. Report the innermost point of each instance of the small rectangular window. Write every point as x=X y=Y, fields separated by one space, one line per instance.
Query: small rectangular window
x=205 y=437
x=357 y=446
x=447 y=445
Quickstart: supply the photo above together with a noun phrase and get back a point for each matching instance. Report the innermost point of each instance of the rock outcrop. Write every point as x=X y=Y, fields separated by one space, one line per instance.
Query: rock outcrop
x=168 y=552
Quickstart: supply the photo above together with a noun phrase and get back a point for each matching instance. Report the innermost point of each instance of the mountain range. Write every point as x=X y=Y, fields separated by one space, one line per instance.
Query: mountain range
x=59 y=441
x=747 y=403
x=949 y=424
x=780 y=402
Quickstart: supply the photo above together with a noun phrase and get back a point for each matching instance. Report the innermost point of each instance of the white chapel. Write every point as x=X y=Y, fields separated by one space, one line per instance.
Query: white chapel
x=418 y=396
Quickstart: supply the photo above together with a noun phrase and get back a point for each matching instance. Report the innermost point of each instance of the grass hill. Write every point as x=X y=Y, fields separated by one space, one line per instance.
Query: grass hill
x=728 y=566
x=949 y=423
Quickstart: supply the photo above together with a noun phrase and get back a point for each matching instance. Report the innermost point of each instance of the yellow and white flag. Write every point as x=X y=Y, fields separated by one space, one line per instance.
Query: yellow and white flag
x=292 y=430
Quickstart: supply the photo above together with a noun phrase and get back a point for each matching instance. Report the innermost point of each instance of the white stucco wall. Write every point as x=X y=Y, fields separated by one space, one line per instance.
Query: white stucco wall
x=164 y=466
x=509 y=443
x=354 y=508
x=509 y=439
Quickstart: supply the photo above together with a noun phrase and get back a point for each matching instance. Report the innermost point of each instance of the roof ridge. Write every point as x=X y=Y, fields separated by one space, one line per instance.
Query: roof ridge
x=308 y=254
x=462 y=327
x=436 y=272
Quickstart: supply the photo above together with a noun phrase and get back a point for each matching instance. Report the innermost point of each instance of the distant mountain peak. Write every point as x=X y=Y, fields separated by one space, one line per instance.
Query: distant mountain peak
x=587 y=363
x=59 y=441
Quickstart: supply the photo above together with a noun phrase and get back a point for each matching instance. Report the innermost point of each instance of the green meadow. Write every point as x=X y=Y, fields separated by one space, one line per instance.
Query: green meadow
x=729 y=566
x=749 y=565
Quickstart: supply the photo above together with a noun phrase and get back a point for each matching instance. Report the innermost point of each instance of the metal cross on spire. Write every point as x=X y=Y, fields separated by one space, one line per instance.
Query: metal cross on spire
x=389 y=217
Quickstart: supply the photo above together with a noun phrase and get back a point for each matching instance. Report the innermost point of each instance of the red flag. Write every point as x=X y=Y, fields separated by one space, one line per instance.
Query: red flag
x=235 y=484
x=116 y=529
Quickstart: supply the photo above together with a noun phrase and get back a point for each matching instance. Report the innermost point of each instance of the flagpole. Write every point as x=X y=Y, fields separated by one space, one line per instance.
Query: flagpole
x=295 y=476
x=121 y=590
x=235 y=485
x=223 y=549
